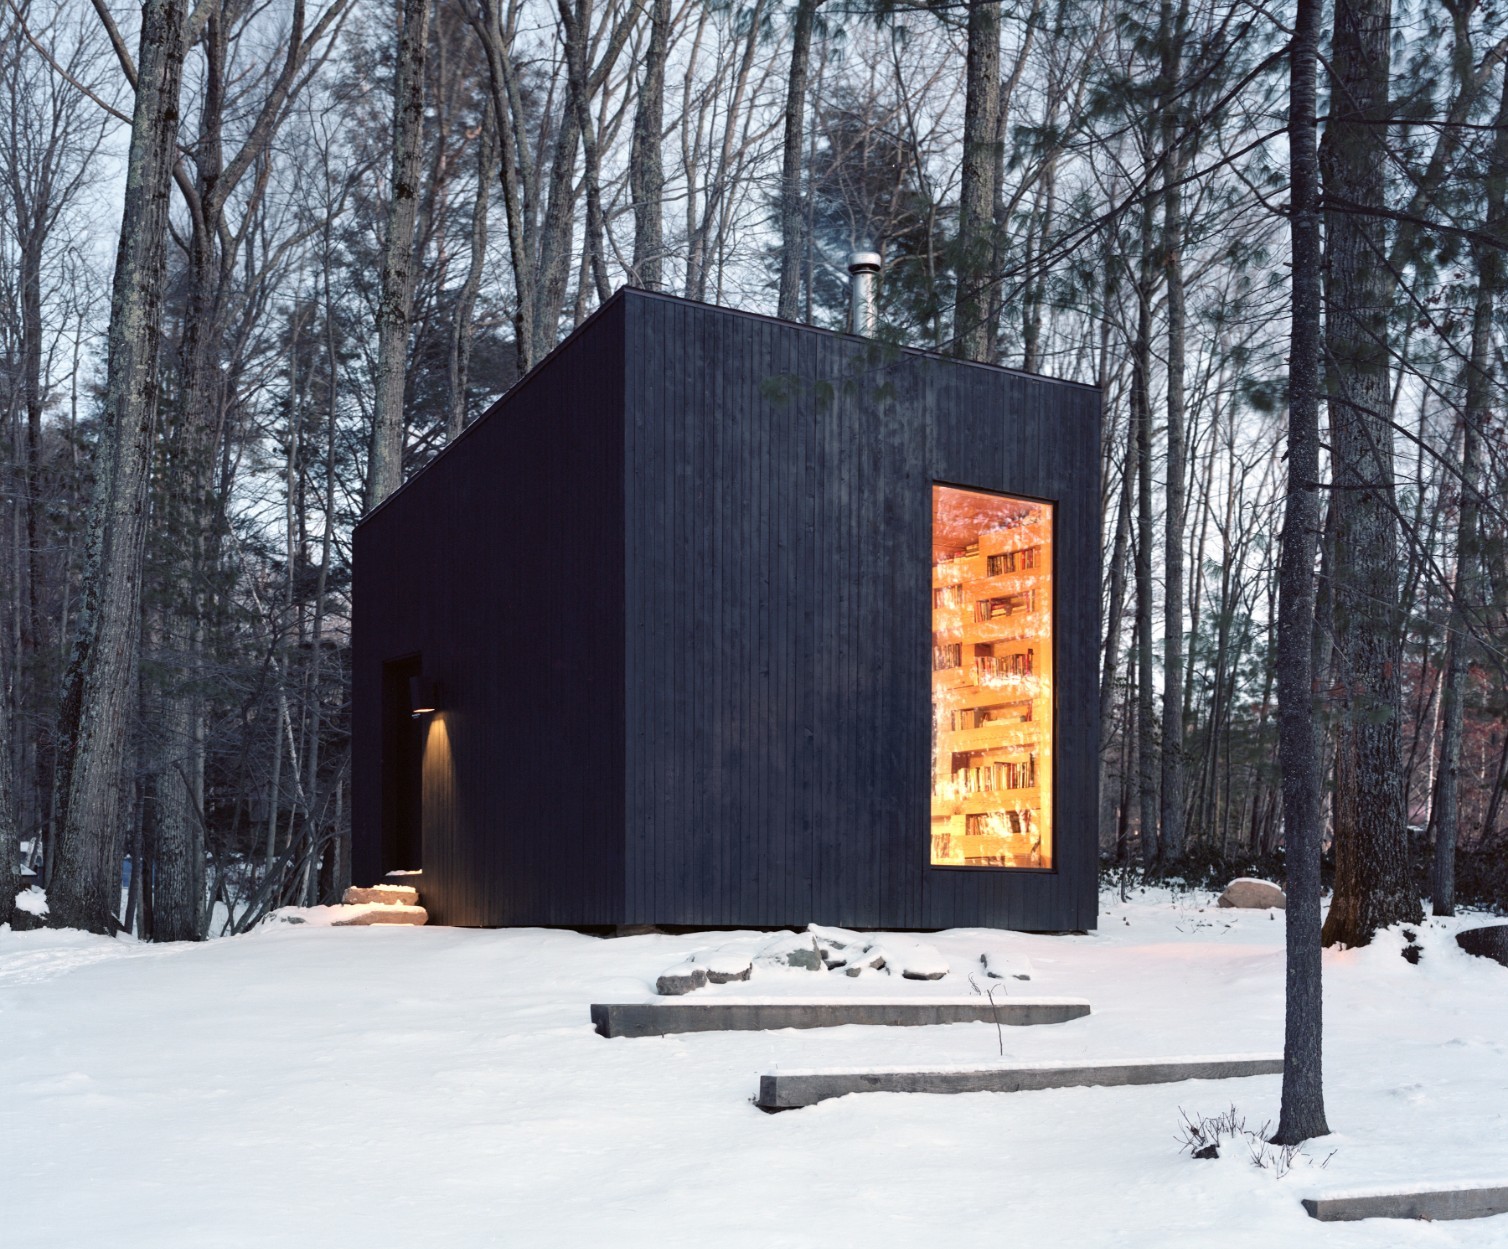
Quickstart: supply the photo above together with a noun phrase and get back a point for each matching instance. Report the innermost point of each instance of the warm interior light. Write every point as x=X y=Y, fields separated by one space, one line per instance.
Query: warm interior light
x=423 y=695
x=992 y=706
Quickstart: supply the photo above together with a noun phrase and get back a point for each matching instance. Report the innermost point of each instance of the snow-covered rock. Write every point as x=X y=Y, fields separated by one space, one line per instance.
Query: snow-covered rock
x=871 y=958
x=725 y=966
x=1248 y=893
x=1488 y=942
x=791 y=950
x=837 y=945
x=915 y=960
x=683 y=978
x=999 y=965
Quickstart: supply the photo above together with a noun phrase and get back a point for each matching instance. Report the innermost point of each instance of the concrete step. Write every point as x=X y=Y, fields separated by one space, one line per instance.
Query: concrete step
x=390 y=895
x=383 y=913
x=743 y=1014
x=1474 y=1200
x=787 y=1090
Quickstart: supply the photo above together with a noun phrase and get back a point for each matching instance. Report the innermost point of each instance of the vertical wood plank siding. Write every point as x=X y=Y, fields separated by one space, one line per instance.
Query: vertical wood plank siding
x=501 y=565
x=752 y=498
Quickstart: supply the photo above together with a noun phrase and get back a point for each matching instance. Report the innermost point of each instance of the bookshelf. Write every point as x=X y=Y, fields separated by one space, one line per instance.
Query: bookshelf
x=992 y=704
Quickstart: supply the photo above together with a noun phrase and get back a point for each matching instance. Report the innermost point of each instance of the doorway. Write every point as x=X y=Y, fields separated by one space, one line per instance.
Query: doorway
x=402 y=770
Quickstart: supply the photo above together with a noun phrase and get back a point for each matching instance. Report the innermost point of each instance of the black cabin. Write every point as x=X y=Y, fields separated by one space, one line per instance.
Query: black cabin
x=721 y=620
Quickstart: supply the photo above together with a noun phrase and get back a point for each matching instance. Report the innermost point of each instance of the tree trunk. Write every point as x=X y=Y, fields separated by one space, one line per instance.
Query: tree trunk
x=1373 y=887
x=1468 y=592
x=646 y=169
x=1303 y=1107
x=461 y=327
x=792 y=219
x=1110 y=673
x=100 y=686
x=395 y=303
x=1173 y=763
x=10 y=845
x=1141 y=409
x=973 y=335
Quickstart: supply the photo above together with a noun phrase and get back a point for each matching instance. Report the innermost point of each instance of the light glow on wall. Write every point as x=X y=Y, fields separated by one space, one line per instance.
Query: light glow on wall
x=992 y=704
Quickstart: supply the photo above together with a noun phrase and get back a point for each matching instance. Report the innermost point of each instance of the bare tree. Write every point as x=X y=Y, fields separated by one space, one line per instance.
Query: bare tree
x=100 y=687
x=1303 y=1106
x=385 y=463
x=973 y=333
x=1373 y=884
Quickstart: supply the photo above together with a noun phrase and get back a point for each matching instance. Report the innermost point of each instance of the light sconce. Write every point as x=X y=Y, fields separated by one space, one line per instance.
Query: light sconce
x=423 y=696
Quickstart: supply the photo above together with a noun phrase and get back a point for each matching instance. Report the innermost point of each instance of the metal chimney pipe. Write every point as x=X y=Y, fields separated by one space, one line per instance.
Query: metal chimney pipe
x=862 y=268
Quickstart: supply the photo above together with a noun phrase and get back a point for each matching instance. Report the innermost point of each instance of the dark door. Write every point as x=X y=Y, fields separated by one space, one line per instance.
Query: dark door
x=402 y=770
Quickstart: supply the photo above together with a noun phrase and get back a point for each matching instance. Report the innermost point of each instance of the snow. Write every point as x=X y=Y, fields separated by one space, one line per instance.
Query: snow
x=865 y=998
x=33 y=901
x=304 y=1085
x=1046 y=1064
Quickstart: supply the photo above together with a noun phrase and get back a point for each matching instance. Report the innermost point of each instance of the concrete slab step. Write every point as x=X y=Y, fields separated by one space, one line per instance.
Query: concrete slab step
x=1471 y=1200
x=655 y=1018
x=788 y=1090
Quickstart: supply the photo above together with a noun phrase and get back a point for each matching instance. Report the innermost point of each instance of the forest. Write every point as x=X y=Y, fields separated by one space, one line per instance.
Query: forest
x=259 y=263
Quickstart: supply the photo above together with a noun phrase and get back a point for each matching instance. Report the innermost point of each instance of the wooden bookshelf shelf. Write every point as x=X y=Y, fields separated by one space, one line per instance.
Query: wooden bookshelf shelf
x=992 y=700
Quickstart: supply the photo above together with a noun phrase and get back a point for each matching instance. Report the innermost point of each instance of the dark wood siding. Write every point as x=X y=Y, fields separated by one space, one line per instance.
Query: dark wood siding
x=501 y=566
x=677 y=585
x=778 y=512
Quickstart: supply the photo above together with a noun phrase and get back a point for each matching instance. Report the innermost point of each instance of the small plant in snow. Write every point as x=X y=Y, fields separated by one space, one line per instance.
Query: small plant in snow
x=1202 y=1136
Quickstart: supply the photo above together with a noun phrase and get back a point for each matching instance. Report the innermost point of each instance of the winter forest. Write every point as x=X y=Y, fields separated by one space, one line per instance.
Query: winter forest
x=261 y=262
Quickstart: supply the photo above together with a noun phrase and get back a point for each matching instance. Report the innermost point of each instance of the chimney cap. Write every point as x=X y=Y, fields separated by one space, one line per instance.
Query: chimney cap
x=864 y=262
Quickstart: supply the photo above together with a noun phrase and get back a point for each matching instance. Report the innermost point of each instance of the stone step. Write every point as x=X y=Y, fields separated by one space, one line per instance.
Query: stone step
x=788 y=1090
x=383 y=913
x=744 y=1014
x=390 y=895
x=1473 y=1200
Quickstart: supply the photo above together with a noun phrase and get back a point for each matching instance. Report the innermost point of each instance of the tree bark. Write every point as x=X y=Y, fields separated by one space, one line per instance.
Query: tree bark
x=1467 y=594
x=1173 y=763
x=1146 y=696
x=1303 y=1107
x=792 y=219
x=646 y=169
x=1373 y=886
x=10 y=845
x=395 y=305
x=461 y=328
x=973 y=334
x=100 y=686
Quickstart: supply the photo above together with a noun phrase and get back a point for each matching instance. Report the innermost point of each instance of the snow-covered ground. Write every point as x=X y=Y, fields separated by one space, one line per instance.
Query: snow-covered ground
x=315 y=1086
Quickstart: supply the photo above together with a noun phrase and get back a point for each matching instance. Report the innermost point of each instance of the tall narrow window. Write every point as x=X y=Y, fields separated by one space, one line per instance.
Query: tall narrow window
x=992 y=712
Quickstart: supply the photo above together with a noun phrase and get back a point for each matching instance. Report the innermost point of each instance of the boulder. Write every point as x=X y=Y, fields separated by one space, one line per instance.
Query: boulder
x=383 y=914
x=683 y=978
x=388 y=895
x=797 y=950
x=871 y=958
x=1249 y=894
x=837 y=946
x=724 y=967
x=915 y=960
x=1489 y=942
x=1002 y=966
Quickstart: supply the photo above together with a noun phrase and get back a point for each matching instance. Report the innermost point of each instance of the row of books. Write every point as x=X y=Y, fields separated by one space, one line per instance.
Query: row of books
x=1024 y=560
x=991 y=777
x=962 y=719
x=1001 y=824
x=1005 y=605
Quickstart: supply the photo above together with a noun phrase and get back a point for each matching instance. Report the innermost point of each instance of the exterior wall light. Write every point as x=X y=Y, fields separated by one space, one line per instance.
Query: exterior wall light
x=423 y=696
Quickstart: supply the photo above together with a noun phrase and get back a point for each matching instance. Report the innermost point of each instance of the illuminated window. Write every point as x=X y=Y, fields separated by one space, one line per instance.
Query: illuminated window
x=992 y=713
